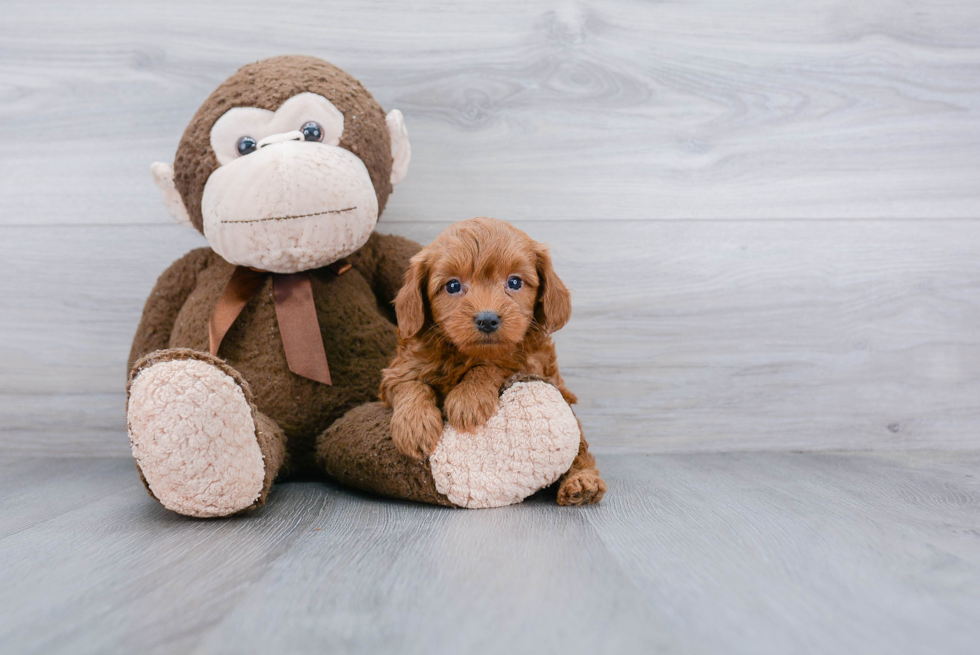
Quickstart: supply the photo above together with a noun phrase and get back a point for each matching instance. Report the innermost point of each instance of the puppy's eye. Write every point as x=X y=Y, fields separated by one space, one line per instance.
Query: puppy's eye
x=514 y=283
x=312 y=131
x=246 y=145
x=454 y=287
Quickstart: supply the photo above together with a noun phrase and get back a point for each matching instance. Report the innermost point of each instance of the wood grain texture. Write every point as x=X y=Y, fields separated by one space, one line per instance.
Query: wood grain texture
x=685 y=335
x=828 y=299
x=544 y=109
x=791 y=317
x=732 y=553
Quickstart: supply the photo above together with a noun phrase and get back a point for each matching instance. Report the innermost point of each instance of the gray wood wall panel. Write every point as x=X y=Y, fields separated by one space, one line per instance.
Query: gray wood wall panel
x=687 y=335
x=525 y=109
x=826 y=298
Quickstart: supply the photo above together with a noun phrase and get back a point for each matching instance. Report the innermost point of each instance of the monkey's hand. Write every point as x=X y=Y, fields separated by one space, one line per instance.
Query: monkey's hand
x=416 y=425
x=469 y=405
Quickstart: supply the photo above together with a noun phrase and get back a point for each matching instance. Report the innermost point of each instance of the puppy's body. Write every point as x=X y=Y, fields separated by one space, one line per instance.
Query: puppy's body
x=479 y=305
x=443 y=366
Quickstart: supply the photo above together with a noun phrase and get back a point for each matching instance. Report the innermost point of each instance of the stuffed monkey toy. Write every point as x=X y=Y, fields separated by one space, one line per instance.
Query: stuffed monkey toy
x=259 y=358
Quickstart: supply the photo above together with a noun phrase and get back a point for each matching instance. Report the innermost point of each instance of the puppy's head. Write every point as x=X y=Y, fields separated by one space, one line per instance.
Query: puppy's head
x=483 y=285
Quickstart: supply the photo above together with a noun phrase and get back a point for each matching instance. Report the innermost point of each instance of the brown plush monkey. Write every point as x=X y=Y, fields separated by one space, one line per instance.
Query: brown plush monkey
x=260 y=357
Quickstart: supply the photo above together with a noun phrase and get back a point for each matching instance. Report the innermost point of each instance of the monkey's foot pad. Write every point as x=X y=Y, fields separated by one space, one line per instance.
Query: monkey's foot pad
x=193 y=436
x=526 y=446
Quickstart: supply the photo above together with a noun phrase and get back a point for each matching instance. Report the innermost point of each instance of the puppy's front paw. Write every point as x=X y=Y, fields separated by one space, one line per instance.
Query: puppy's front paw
x=416 y=428
x=467 y=408
x=581 y=488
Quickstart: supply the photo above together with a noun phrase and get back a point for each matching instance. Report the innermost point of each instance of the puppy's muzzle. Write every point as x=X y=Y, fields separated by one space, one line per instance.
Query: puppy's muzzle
x=487 y=322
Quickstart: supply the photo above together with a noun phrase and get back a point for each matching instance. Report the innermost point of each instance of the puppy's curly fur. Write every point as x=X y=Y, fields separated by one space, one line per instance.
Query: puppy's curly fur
x=479 y=304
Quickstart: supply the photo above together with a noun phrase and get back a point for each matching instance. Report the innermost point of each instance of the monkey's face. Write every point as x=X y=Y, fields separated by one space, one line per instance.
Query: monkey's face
x=286 y=197
x=285 y=180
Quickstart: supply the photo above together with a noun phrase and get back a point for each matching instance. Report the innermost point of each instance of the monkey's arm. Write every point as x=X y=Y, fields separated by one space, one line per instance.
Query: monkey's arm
x=164 y=303
x=383 y=261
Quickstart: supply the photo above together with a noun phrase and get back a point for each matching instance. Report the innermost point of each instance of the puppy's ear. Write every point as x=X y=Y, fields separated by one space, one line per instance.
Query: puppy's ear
x=554 y=306
x=410 y=301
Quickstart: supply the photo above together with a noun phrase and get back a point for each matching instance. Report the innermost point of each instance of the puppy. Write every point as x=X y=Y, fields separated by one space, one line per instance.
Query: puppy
x=478 y=306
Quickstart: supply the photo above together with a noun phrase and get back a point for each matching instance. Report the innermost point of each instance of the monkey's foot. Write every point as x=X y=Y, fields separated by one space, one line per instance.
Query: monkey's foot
x=526 y=446
x=193 y=431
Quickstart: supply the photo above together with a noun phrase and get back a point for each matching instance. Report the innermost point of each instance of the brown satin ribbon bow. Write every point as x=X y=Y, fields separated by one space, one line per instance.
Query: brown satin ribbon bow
x=295 y=311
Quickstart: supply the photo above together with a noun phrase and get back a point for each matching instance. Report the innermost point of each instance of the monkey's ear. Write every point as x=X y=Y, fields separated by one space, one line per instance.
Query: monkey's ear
x=401 y=150
x=554 y=306
x=410 y=301
x=163 y=175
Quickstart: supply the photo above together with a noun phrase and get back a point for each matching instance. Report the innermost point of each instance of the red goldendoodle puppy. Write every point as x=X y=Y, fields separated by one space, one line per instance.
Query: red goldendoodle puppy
x=479 y=305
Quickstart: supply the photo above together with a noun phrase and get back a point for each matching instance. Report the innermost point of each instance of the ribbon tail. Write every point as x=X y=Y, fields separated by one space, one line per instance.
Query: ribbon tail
x=244 y=284
x=299 y=327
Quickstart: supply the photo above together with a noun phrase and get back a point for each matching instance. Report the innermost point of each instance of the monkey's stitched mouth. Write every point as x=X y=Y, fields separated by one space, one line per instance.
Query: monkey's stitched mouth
x=289 y=218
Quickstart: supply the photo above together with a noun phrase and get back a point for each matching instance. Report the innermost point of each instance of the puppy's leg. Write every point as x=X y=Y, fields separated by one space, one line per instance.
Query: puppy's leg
x=416 y=423
x=475 y=398
x=581 y=485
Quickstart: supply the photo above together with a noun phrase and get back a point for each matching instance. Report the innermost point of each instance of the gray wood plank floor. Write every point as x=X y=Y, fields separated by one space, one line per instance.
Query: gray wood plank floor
x=702 y=553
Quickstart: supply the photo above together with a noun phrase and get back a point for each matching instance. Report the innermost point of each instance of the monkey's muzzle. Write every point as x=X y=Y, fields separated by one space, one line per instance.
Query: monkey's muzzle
x=289 y=206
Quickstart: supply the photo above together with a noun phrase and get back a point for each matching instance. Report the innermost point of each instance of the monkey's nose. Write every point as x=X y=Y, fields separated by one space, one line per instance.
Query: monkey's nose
x=295 y=135
x=487 y=322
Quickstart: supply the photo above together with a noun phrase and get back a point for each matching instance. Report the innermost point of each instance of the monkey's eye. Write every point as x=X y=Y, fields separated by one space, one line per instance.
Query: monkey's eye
x=312 y=131
x=246 y=145
x=453 y=287
x=514 y=283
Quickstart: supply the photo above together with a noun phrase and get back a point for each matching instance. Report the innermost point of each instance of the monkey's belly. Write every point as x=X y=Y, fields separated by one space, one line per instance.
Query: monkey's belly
x=359 y=342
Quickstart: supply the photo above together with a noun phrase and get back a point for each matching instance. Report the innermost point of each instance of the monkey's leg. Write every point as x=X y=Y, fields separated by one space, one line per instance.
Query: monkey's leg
x=357 y=451
x=526 y=446
x=201 y=446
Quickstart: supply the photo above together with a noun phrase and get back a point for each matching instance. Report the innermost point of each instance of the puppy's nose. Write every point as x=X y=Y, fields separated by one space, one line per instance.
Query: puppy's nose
x=487 y=322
